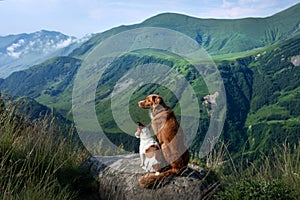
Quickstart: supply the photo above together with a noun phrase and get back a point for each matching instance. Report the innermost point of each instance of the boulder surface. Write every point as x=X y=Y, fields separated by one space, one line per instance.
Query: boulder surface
x=118 y=179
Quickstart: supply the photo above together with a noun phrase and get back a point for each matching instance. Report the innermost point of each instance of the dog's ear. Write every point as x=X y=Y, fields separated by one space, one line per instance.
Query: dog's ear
x=156 y=99
x=140 y=124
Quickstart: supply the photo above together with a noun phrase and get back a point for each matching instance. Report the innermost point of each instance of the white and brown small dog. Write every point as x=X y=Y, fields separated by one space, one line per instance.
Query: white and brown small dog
x=148 y=149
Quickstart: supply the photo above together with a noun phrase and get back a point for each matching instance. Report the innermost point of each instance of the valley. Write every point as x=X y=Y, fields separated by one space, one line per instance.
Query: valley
x=257 y=58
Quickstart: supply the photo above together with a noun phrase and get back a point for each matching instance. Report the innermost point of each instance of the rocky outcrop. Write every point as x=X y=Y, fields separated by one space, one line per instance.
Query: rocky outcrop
x=118 y=179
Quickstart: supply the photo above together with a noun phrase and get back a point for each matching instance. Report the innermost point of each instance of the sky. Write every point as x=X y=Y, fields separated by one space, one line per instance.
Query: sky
x=80 y=17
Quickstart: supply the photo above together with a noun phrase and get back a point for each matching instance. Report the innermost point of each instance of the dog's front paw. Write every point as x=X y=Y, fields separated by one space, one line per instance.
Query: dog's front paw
x=157 y=173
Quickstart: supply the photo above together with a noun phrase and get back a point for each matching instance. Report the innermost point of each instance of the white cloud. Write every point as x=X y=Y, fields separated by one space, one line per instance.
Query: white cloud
x=12 y=49
x=259 y=5
x=244 y=2
x=237 y=12
x=244 y=8
x=31 y=43
x=14 y=54
x=227 y=4
x=64 y=43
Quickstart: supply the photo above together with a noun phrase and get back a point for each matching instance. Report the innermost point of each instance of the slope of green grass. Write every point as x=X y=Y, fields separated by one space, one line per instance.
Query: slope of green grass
x=51 y=76
x=217 y=36
x=261 y=85
x=40 y=159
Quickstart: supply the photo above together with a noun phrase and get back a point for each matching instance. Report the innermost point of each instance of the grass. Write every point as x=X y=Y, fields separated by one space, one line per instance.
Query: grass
x=233 y=56
x=267 y=113
x=38 y=163
x=35 y=161
x=272 y=176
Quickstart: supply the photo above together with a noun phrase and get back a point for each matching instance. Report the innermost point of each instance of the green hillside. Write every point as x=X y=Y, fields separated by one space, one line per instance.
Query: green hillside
x=262 y=84
x=271 y=94
x=262 y=94
x=217 y=36
x=49 y=79
x=258 y=154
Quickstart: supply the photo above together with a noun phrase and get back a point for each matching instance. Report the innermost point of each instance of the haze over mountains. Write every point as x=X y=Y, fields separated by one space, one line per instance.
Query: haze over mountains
x=256 y=58
x=19 y=52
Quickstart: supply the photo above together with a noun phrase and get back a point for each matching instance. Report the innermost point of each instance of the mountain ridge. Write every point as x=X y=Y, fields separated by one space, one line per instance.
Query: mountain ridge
x=217 y=36
x=21 y=51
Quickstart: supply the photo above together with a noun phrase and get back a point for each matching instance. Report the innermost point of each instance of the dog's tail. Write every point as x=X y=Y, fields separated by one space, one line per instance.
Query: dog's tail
x=151 y=179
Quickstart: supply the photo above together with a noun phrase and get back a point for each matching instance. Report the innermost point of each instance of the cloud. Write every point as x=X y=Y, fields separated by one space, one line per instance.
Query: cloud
x=227 y=4
x=14 y=54
x=244 y=8
x=64 y=43
x=11 y=50
x=79 y=17
x=259 y=5
x=245 y=2
x=37 y=45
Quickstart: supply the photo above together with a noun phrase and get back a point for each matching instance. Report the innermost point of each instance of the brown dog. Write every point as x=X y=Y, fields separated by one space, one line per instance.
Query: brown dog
x=170 y=137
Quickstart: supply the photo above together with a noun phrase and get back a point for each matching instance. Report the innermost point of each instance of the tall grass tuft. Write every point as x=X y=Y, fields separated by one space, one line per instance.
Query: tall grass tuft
x=34 y=158
x=272 y=176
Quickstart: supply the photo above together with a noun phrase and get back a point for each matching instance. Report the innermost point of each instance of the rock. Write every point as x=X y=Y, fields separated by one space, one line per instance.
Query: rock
x=118 y=179
x=296 y=60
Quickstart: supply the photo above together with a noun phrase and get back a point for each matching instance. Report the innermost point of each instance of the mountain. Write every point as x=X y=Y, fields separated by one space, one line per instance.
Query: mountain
x=27 y=111
x=218 y=36
x=262 y=92
x=257 y=58
x=49 y=78
x=19 y=52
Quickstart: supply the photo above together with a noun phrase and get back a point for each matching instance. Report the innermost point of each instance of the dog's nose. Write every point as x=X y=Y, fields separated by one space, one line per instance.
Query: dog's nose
x=140 y=103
